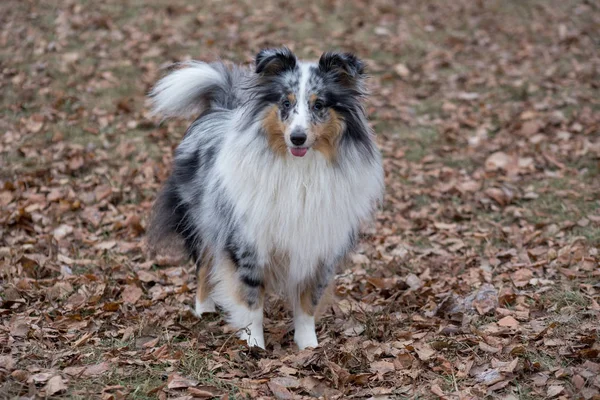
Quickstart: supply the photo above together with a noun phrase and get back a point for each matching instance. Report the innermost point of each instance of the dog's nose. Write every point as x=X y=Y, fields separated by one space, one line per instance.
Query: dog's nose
x=298 y=137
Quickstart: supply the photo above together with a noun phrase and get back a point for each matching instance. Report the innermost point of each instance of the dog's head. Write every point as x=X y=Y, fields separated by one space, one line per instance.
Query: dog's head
x=308 y=105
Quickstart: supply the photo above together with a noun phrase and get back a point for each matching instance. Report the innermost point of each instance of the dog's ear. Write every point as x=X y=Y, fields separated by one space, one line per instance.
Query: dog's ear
x=275 y=61
x=345 y=68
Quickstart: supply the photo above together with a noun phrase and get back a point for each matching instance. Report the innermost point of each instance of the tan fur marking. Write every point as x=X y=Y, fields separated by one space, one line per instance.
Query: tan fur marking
x=291 y=97
x=306 y=300
x=203 y=284
x=328 y=135
x=275 y=131
x=234 y=285
x=313 y=97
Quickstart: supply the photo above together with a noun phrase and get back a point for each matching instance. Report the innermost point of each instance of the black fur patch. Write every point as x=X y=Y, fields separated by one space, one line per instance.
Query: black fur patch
x=344 y=68
x=251 y=281
x=275 y=61
x=172 y=216
x=241 y=255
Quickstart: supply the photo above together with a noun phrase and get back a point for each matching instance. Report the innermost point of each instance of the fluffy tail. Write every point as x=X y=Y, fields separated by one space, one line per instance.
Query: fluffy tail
x=194 y=88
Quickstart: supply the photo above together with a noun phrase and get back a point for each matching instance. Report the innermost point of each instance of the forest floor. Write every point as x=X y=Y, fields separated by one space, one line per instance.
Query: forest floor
x=479 y=278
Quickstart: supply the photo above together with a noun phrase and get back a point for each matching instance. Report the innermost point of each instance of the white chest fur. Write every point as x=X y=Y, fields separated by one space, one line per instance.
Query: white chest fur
x=302 y=207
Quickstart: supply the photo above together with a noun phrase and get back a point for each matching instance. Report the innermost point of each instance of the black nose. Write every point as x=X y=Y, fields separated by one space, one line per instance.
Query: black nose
x=298 y=138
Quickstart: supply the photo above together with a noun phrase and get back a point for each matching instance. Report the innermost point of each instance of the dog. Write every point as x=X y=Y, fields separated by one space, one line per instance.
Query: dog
x=270 y=183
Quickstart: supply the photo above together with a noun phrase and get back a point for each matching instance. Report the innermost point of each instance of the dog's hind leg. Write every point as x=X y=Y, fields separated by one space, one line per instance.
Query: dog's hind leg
x=239 y=290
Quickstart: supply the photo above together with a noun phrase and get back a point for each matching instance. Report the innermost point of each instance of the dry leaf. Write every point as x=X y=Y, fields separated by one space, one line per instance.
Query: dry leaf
x=95 y=370
x=508 y=321
x=554 y=391
x=280 y=392
x=131 y=294
x=176 y=381
x=55 y=385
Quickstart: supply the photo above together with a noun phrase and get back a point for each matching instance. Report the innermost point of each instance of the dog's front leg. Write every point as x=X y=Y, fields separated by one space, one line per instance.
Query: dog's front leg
x=306 y=302
x=239 y=290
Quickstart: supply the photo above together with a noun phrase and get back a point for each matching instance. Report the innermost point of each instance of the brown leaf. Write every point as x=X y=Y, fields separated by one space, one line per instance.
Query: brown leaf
x=424 y=351
x=554 y=391
x=97 y=369
x=489 y=349
x=7 y=363
x=20 y=375
x=508 y=321
x=55 y=385
x=498 y=160
x=507 y=367
x=131 y=294
x=489 y=377
x=521 y=277
x=381 y=368
x=437 y=390
x=413 y=281
x=578 y=382
x=74 y=370
x=279 y=391
x=62 y=231
x=42 y=377
x=287 y=381
x=176 y=381
x=204 y=391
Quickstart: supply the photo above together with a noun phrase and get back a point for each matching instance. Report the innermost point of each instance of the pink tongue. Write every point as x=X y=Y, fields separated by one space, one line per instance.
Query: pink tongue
x=298 y=151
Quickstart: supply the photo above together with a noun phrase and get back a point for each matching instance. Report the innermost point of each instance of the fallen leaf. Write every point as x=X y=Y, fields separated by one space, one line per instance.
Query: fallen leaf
x=204 y=391
x=508 y=321
x=62 y=231
x=176 y=381
x=489 y=349
x=381 y=368
x=424 y=351
x=279 y=391
x=97 y=369
x=55 y=385
x=131 y=294
x=7 y=363
x=554 y=391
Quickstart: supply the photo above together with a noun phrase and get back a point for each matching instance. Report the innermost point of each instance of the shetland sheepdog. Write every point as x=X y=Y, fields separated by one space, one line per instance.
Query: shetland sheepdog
x=270 y=183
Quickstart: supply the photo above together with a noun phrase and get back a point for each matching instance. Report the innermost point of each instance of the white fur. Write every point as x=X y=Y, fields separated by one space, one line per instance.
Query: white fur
x=176 y=95
x=252 y=331
x=205 y=306
x=301 y=118
x=304 y=329
x=301 y=206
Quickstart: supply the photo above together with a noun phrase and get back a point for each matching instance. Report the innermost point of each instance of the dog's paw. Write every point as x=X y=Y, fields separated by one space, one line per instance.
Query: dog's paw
x=206 y=306
x=306 y=339
x=256 y=339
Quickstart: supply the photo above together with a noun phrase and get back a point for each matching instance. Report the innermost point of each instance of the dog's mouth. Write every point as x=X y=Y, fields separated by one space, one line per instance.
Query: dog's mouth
x=298 y=151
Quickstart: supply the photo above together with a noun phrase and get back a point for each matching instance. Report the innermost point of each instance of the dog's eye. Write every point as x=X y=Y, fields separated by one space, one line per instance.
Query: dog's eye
x=286 y=104
x=318 y=106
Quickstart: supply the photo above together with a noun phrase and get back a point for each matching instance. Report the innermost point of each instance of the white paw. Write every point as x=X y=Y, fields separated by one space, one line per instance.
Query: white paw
x=205 y=306
x=305 y=338
x=253 y=338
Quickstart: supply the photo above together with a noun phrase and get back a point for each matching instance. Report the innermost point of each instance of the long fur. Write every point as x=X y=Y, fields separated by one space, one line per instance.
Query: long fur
x=266 y=219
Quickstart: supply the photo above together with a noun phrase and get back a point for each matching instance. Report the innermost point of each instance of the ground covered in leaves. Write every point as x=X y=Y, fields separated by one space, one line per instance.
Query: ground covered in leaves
x=478 y=279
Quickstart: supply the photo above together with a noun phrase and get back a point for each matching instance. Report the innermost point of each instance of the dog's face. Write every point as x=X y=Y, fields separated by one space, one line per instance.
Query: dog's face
x=306 y=104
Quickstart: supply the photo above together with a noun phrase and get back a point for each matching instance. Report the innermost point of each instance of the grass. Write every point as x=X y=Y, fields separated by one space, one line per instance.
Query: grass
x=194 y=364
x=548 y=208
x=564 y=297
